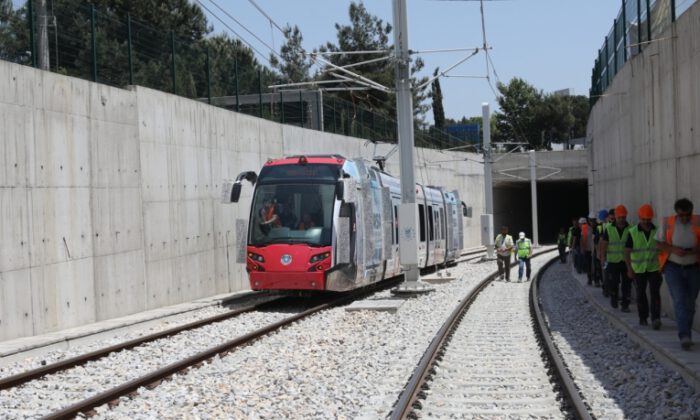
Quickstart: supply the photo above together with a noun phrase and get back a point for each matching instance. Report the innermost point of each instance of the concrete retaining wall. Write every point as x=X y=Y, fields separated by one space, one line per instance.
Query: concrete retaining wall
x=645 y=130
x=109 y=197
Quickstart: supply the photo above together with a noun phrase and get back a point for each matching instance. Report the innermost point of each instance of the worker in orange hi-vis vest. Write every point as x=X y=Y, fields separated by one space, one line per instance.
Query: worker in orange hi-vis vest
x=679 y=241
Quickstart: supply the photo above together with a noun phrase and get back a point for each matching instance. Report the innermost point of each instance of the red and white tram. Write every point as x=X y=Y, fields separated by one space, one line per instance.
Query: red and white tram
x=329 y=223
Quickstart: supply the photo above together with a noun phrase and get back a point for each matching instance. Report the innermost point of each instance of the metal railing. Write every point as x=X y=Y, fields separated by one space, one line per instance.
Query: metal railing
x=77 y=39
x=638 y=23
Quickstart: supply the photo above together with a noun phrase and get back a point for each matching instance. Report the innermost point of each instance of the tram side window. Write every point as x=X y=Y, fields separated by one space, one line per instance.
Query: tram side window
x=443 y=223
x=421 y=219
x=431 y=223
x=396 y=225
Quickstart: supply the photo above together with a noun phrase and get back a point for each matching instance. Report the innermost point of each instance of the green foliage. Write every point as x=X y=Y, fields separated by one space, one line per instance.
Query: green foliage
x=295 y=66
x=436 y=95
x=367 y=32
x=527 y=115
x=14 y=34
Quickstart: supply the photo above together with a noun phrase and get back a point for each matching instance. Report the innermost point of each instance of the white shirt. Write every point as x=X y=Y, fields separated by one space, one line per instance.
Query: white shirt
x=683 y=237
x=502 y=244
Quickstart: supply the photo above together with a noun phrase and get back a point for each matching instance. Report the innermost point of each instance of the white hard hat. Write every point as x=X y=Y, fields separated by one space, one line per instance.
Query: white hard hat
x=521 y=234
x=592 y=215
x=582 y=220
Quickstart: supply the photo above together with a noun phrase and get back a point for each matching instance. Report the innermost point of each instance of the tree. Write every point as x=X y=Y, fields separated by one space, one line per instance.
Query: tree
x=438 y=110
x=367 y=32
x=14 y=33
x=295 y=65
x=520 y=107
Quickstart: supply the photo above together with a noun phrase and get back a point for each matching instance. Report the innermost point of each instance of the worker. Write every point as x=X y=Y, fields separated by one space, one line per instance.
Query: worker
x=598 y=274
x=610 y=219
x=524 y=252
x=503 y=245
x=642 y=260
x=561 y=244
x=574 y=242
x=586 y=247
x=612 y=254
x=679 y=241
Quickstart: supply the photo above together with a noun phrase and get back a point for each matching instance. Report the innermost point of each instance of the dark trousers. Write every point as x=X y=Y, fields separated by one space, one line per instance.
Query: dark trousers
x=503 y=262
x=562 y=253
x=618 y=281
x=597 y=272
x=587 y=265
x=643 y=305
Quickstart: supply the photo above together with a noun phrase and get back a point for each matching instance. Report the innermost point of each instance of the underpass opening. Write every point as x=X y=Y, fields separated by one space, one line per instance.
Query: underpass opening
x=557 y=203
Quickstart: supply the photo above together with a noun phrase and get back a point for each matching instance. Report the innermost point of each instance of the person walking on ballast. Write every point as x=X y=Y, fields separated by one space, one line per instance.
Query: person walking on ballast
x=561 y=244
x=524 y=252
x=504 y=246
x=612 y=259
x=679 y=241
x=642 y=259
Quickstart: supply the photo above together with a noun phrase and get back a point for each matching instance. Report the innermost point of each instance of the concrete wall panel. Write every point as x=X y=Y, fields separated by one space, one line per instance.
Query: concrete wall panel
x=14 y=229
x=17 y=126
x=60 y=226
x=159 y=283
x=63 y=295
x=158 y=235
x=116 y=220
x=121 y=285
x=16 y=312
x=62 y=150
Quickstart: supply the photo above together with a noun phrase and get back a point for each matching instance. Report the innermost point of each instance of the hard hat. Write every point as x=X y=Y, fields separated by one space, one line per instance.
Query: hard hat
x=645 y=212
x=620 y=211
x=602 y=215
x=591 y=215
x=521 y=235
x=582 y=220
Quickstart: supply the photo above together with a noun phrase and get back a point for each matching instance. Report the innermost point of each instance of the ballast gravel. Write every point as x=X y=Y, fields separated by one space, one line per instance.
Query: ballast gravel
x=618 y=378
x=335 y=364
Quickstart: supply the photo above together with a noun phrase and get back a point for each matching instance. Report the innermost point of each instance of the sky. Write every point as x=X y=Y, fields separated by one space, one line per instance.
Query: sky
x=552 y=44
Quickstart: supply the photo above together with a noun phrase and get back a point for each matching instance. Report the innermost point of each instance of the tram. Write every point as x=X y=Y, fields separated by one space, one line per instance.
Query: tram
x=327 y=223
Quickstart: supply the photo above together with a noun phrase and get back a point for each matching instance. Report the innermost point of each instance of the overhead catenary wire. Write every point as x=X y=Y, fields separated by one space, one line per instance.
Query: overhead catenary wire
x=234 y=31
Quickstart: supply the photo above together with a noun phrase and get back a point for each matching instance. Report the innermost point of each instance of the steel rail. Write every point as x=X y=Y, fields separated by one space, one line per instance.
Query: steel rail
x=167 y=371
x=33 y=374
x=409 y=397
x=575 y=401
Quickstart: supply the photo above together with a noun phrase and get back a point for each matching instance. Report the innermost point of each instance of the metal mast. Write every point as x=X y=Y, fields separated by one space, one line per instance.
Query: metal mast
x=408 y=212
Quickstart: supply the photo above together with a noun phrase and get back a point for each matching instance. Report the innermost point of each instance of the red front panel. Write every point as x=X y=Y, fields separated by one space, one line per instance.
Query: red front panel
x=287 y=267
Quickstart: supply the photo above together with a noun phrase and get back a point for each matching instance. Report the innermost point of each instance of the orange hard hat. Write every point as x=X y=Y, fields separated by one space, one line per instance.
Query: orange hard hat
x=620 y=211
x=645 y=212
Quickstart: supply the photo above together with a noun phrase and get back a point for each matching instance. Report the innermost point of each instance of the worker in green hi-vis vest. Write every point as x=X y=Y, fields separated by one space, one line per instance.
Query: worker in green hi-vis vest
x=523 y=251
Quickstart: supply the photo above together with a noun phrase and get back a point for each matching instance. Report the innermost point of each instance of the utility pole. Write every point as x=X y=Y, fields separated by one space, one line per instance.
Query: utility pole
x=487 y=230
x=408 y=211
x=42 y=36
x=533 y=197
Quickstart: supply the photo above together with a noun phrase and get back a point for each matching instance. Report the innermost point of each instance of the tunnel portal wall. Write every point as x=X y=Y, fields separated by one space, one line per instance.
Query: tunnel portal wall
x=110 y=198
x=557 y=202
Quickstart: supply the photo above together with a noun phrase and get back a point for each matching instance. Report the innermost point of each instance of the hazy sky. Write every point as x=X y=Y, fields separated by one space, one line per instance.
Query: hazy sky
x=550 y=43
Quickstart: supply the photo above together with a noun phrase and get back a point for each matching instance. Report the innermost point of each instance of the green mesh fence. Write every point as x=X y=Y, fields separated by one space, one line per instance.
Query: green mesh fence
x=638 y=23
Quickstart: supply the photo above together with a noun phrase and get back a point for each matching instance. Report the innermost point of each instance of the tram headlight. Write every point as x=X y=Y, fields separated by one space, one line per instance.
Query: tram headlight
x=255 y=257
x=319 y=257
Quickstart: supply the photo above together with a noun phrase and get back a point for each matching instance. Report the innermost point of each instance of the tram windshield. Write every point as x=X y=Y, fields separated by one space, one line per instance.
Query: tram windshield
x=292 y=213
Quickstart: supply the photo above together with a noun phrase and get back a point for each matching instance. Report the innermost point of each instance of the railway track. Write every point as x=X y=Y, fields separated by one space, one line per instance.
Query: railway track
x=60 y=391
x=492 y=357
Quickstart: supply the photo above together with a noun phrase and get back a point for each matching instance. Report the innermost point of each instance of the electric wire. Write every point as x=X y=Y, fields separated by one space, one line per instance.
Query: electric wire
x=244 y=27
x=234 y=31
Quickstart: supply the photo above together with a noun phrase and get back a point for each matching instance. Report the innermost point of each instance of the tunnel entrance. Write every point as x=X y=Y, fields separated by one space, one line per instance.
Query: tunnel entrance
x=557 y=203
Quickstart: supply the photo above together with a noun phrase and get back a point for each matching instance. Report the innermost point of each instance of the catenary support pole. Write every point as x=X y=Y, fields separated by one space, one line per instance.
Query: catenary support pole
x=408 y=211
x=487 y=236
x=533 y=197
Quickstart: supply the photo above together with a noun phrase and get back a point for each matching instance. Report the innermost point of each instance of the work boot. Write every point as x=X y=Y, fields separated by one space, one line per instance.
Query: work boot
x=643 y=322
x=613 y=301
x=625 y=309
x=656 y=324
x=686 y=344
